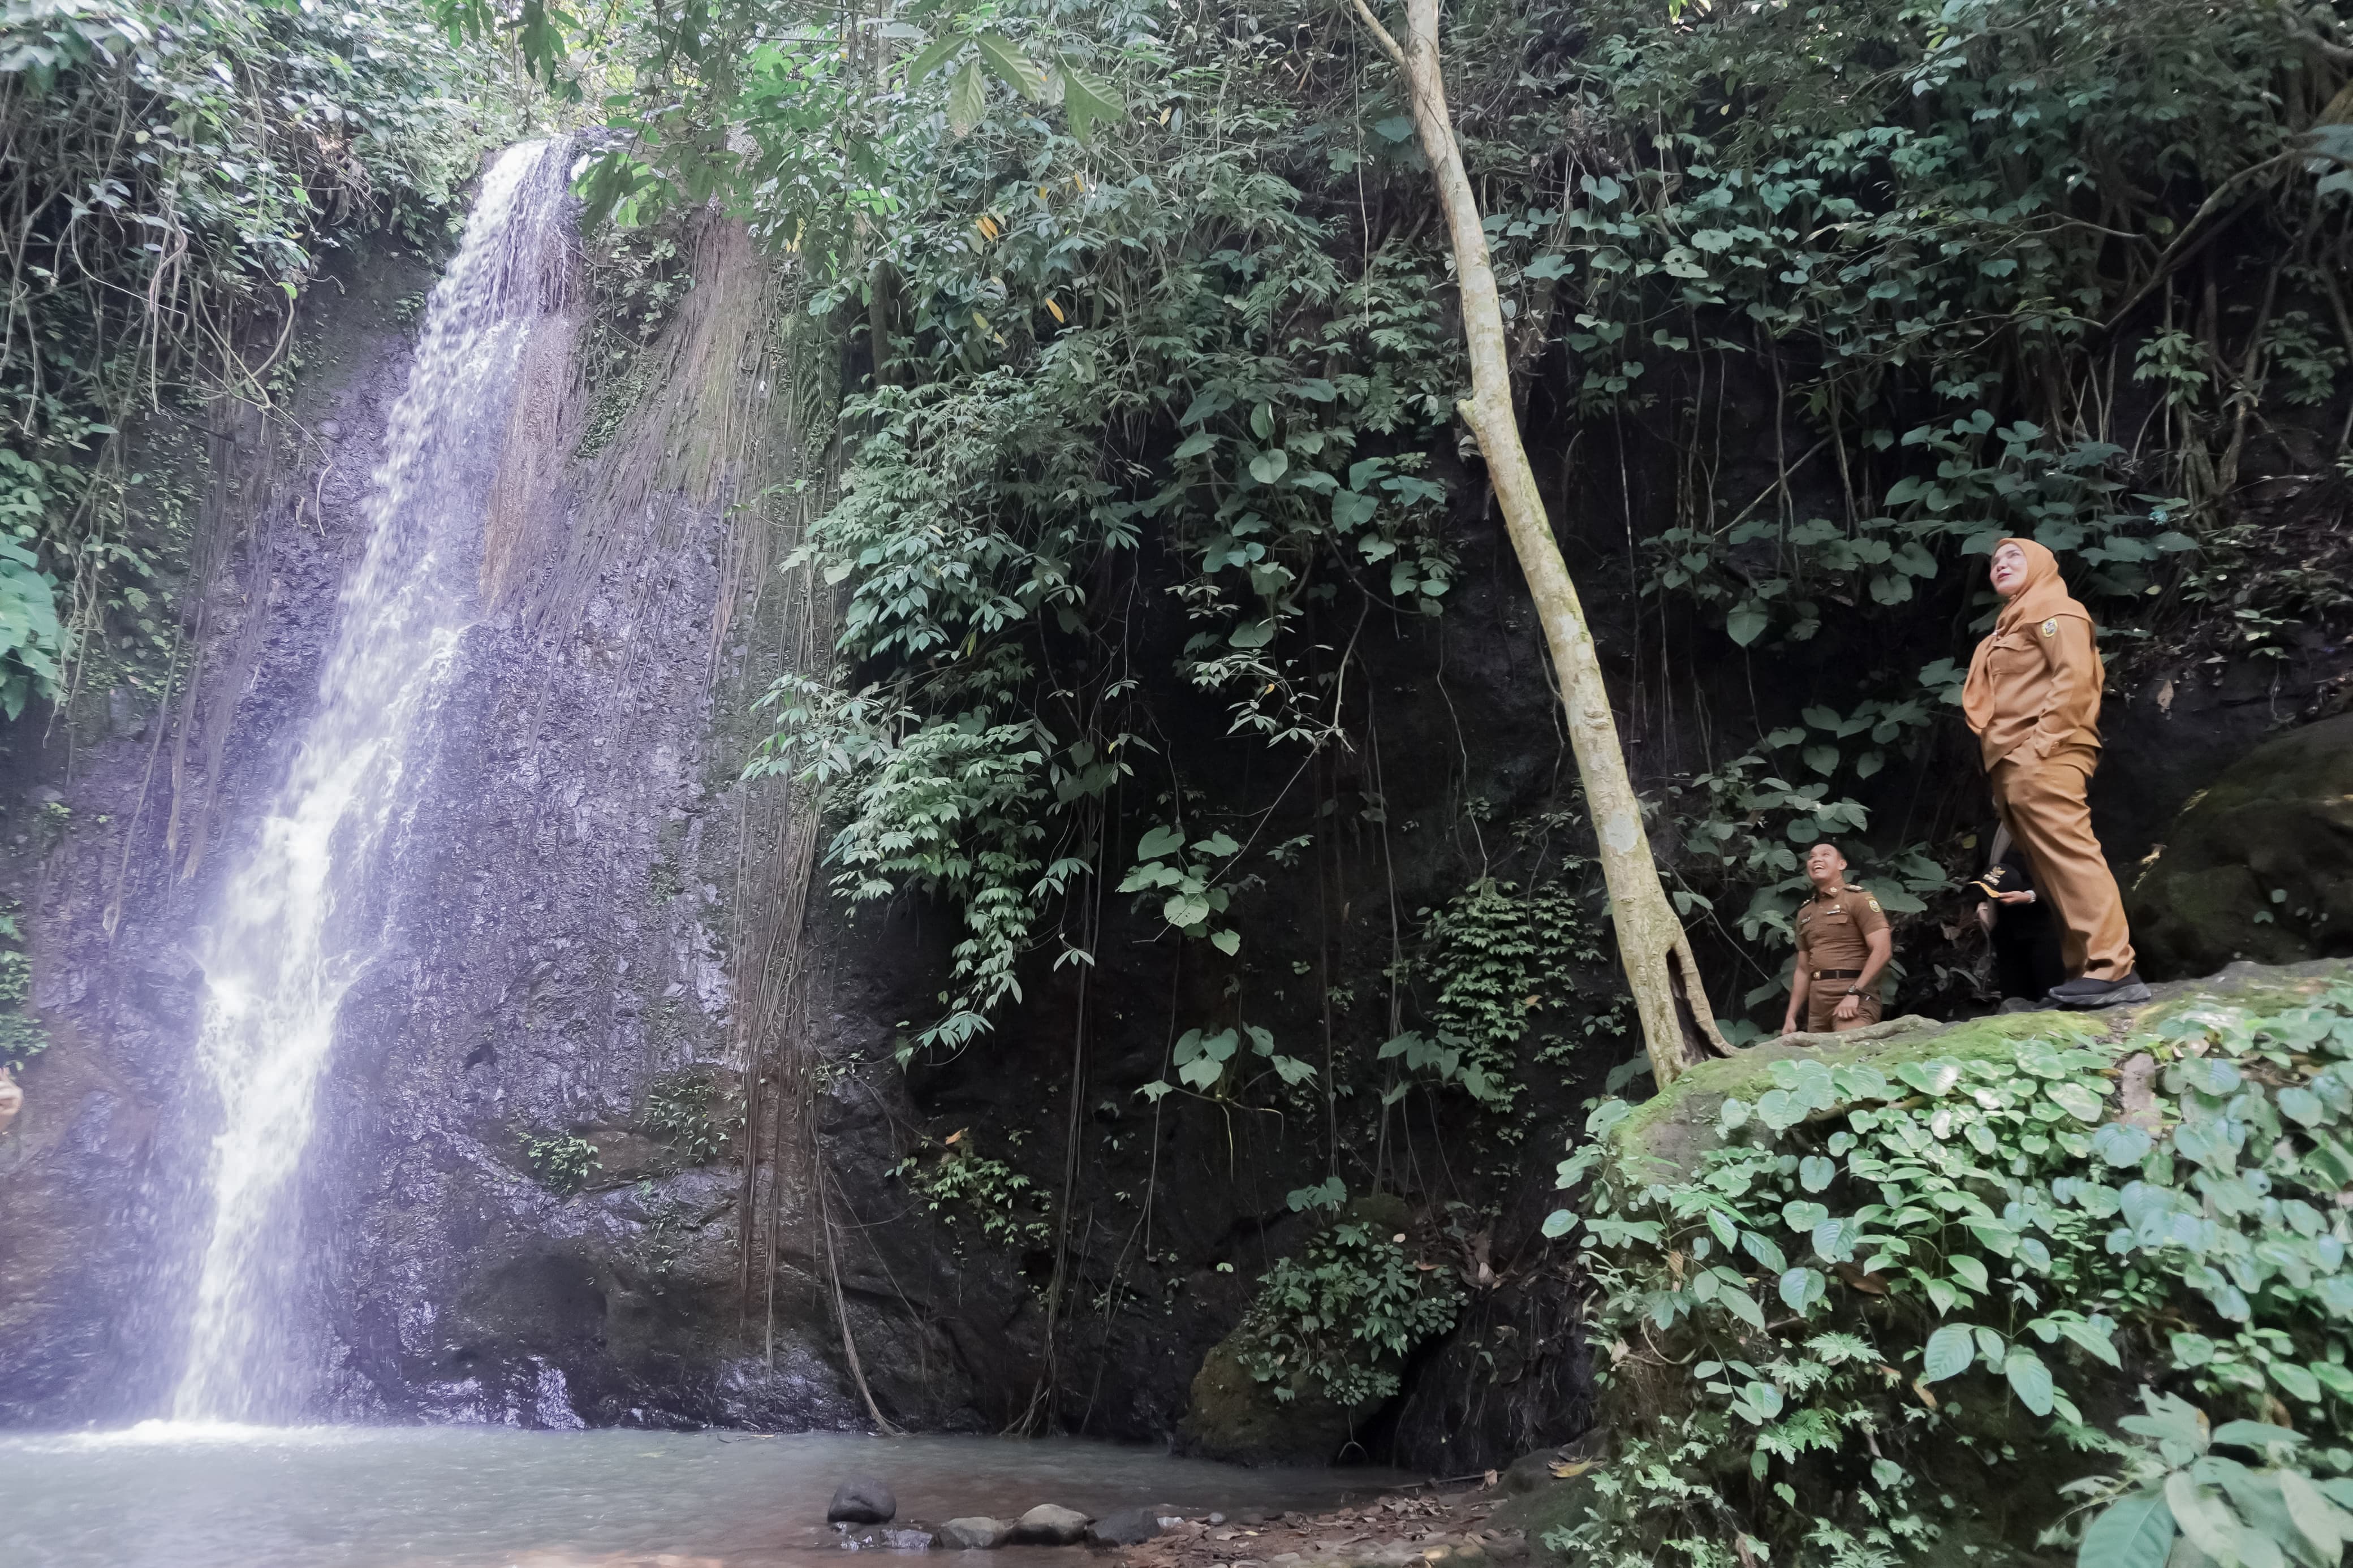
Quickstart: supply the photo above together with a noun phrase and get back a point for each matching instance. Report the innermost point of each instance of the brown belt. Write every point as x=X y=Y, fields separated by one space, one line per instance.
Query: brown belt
x=1837 y=973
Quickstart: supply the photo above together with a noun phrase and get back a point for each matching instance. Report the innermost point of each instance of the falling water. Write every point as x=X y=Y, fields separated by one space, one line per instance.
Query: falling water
x=312 y=903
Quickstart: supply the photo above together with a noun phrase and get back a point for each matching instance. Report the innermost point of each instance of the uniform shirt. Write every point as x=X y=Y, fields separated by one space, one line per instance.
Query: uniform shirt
x=2045 y=678
x=1831 y=929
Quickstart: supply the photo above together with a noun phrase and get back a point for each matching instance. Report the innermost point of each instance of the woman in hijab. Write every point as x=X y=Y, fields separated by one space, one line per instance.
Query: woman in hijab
x=2033 y=699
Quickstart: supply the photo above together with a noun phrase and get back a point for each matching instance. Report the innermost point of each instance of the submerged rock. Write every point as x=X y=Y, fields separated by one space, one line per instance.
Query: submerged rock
x=1049 y=1525
x=975 y=1533
x=1128 y=1526
x=862 y=1499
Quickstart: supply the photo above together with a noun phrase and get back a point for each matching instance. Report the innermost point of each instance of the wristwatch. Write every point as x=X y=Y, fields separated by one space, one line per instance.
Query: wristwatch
x=1854 y=990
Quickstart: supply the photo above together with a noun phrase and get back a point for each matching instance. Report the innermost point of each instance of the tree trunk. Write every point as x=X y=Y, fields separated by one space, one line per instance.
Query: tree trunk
x=1678 y=1027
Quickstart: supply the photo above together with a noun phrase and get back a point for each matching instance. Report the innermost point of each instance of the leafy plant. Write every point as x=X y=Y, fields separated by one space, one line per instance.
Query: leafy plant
x=561 y=1162
x=681 y=1110
x=21 y=1035
x=959 y=1184
x=1888 y=1278
x=2238 y=1515
x=1338 y=1321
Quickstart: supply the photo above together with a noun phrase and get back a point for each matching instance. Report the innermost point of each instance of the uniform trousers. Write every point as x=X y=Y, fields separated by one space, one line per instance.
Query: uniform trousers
x=2046 y=806
x=1821 y=1009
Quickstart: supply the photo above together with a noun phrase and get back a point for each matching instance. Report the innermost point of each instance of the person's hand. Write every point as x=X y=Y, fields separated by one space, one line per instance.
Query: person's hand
x=1849 y=1007
x=1985 y=917
x=2024 y=895
x=1789 y=1025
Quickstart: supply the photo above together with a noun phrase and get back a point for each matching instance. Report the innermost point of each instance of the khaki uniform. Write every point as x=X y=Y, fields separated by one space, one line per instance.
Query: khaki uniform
x=1833 y=932
x=2034 y=701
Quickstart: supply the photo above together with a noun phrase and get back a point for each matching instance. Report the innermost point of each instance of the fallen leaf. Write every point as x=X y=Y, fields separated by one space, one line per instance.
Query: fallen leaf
x=1564 y=1469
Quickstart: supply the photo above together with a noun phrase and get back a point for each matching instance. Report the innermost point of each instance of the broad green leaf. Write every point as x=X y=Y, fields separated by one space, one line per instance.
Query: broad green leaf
x=1815 y=1173
x=2135 y=1532
x=1970 y=1271
x=1088 y=100
x=2323 y=1523
x=1226 y=941
x=2076 y=1100
x=1801 y=1288
x=967 y=100
x=1747 y=622
x=1557 y=1224
x=1949 y=1352
x=2299 y=1384
x=1270 y=466
x=1011 y=67
x=2121 y=1144
x=1192 y=446
x=2029 y=1379
x=934 y=55
x=1160 y=841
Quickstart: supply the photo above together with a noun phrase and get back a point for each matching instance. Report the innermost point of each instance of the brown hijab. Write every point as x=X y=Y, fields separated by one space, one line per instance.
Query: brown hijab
x=2043 y=597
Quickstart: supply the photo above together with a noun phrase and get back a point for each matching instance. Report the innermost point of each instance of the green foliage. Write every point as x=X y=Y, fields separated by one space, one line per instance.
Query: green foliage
x=177 y=167
x=1865 y=1238
x=21 y=1035
x=682 y=1110
x=964 y=1186
x=560 y=1162
x=1495 y=959
x=1340 y=1320
x=2231 y=1512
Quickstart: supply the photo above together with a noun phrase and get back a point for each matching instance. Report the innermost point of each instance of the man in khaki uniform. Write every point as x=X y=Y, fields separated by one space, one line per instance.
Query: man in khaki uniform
x=1844 y=942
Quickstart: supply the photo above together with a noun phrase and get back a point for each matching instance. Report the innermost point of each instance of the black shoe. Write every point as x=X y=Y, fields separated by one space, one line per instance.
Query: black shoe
x=2086 y=992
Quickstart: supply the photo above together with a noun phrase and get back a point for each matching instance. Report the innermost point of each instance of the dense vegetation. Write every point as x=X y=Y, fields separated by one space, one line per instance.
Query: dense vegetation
x=1950 y=1296
x=1154 y=364
x=2059 y=269
x=175 y=171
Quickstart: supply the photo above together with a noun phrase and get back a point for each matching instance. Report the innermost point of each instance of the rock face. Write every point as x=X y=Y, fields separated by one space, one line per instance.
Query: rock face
x=1050 y=1525
x=2259 y=866
x=862 y=1499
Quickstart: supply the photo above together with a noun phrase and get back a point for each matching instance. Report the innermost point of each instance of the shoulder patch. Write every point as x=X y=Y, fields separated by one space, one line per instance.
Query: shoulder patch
x=2051 y=627
x=1875 y=905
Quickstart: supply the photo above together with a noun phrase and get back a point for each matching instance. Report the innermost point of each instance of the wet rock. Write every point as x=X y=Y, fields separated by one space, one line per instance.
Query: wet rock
x=862 y=1499
x=977 y=1533
x=907 y=1540
x=1049 y=1525
x=1129 y=1526
x=2259 y=866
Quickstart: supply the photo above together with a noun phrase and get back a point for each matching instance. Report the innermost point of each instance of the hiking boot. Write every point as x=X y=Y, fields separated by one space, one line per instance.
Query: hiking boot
x=2086 y=992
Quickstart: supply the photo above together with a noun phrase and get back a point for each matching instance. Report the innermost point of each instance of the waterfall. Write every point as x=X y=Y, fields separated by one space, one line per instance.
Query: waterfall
x=314 y=902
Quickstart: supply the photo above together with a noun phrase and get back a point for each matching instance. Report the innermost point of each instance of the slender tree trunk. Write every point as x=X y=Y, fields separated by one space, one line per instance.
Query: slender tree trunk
x=1678 y=1026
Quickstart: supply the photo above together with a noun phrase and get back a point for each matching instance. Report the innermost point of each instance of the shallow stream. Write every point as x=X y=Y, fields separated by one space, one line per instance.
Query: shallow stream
x=172 y=1496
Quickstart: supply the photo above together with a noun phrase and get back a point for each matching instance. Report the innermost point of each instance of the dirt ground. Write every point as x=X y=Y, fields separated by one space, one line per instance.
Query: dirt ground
x=1391 y=1532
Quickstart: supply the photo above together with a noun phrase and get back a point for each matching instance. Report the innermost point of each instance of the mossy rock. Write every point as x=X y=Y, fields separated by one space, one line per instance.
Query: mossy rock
x=1235 y=1417
x=1672 y=1131
x=2260 y=866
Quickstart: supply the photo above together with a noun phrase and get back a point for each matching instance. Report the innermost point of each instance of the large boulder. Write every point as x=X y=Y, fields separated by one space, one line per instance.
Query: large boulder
x=862 y=1499
x=2259 y=866
x=1049 y=1525
x=1237 y=1418
x=974 y=1533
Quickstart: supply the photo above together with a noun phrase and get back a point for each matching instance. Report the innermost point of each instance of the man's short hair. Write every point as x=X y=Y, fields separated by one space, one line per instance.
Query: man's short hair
x=1829 y=844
